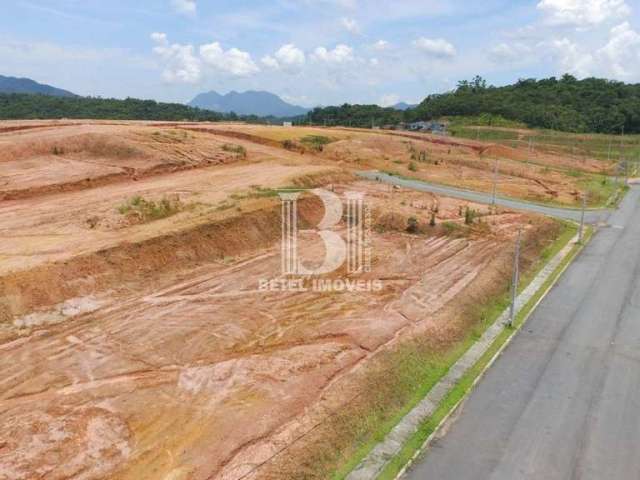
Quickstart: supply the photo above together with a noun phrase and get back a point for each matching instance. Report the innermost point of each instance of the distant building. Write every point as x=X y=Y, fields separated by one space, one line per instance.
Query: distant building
x=287 y=124
x=432 y=127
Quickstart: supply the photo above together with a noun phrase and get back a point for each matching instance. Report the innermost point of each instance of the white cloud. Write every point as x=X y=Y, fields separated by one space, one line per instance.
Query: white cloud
x=618 y=59
x=436 y=47
x=381 y=45
x=181 y=65
x=571 y=59
x=374 y=62
x=583 y=13
x=621 y=55
x=160 y=38
x=511 y=53
x=339 y=55
x=288 y=58
x=270 y=62
x=233 y=61
x=350 y=25
x=389 y=100
x=184 y=7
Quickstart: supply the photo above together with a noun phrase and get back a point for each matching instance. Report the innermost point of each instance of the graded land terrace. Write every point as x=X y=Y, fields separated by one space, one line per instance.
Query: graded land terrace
x=136 y=341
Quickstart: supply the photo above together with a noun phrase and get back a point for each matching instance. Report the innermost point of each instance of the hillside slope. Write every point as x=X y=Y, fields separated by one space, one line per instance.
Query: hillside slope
x=262 y=104
x=26 y=85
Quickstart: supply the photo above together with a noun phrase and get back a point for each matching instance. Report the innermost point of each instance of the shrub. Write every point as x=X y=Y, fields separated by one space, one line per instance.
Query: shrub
x=413 y=167
x=239 y=150
x=412 y=225
x=469 y=216
x=148 y=210
x=288 y=144
x=316 y=142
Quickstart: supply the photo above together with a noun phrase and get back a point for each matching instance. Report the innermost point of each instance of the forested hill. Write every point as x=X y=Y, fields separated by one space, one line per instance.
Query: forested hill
x=28 y=106
x=590 y=105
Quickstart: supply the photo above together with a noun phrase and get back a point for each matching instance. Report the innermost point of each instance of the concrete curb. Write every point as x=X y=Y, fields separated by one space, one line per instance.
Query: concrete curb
x=382 y=453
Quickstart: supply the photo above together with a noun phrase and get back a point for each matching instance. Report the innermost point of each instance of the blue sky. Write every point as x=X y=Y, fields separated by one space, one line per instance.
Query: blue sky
x=313 y=52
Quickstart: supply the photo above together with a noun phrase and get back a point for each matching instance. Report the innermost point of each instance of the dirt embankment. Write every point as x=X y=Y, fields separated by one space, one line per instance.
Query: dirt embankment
x=346 y=418
x=150 y=351
x=238 y=135
x=127 y=263
x=181 y=346
x=70 y=159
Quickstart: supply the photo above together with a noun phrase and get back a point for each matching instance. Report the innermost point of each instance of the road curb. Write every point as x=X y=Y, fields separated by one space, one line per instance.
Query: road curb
x=385 y=451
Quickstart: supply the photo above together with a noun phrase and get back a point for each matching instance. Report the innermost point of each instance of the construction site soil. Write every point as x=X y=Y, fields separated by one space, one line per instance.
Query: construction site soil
x=138 y=345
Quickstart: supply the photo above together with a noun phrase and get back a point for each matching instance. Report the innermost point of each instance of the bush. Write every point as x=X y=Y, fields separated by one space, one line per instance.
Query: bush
x=288 y=144
x=148 y=210
x=469 y=216
x=316 y=142
x=412 y=225
x=413 y=167
x=239 y=150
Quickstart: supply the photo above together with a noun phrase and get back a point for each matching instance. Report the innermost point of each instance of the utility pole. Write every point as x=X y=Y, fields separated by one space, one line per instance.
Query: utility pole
x=515 y=281
x=495 y=184
x=584 y=208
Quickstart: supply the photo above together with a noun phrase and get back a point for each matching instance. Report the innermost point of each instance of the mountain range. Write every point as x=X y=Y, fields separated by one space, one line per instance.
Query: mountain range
x=26 y=85
x=262 y=104
x=403 y=106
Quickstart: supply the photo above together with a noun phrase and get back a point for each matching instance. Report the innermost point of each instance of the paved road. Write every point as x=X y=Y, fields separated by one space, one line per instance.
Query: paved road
x=563 y=401
x=592 y=216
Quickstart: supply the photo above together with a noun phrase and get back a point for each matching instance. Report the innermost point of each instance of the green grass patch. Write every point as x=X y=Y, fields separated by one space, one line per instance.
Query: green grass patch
x=315 y=142
x=149 y=210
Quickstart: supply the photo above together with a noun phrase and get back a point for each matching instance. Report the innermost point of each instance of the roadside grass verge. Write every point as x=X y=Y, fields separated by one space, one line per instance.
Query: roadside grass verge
x=430 y=368
x=461 y=390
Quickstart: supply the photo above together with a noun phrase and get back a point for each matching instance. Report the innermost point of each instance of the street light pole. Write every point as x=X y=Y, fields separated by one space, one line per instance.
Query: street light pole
x=495 y=184
x=516 y=279
x=584 y=207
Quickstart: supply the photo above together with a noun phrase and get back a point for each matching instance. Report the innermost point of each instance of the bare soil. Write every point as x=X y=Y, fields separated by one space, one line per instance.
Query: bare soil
x=148 y=351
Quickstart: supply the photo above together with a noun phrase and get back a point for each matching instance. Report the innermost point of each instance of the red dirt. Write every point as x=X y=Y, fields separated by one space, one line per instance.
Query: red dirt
x=148 y=350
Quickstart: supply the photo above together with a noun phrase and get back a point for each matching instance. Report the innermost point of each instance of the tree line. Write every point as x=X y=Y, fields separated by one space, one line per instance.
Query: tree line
x=36 y=106
x=566 y=104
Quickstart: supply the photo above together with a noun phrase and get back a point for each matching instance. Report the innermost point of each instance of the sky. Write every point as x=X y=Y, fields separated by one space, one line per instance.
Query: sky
x=313 y=52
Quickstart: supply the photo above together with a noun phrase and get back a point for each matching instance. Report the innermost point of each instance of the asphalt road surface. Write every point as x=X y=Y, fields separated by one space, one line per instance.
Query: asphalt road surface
x=591 y=216
x=563 y=401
